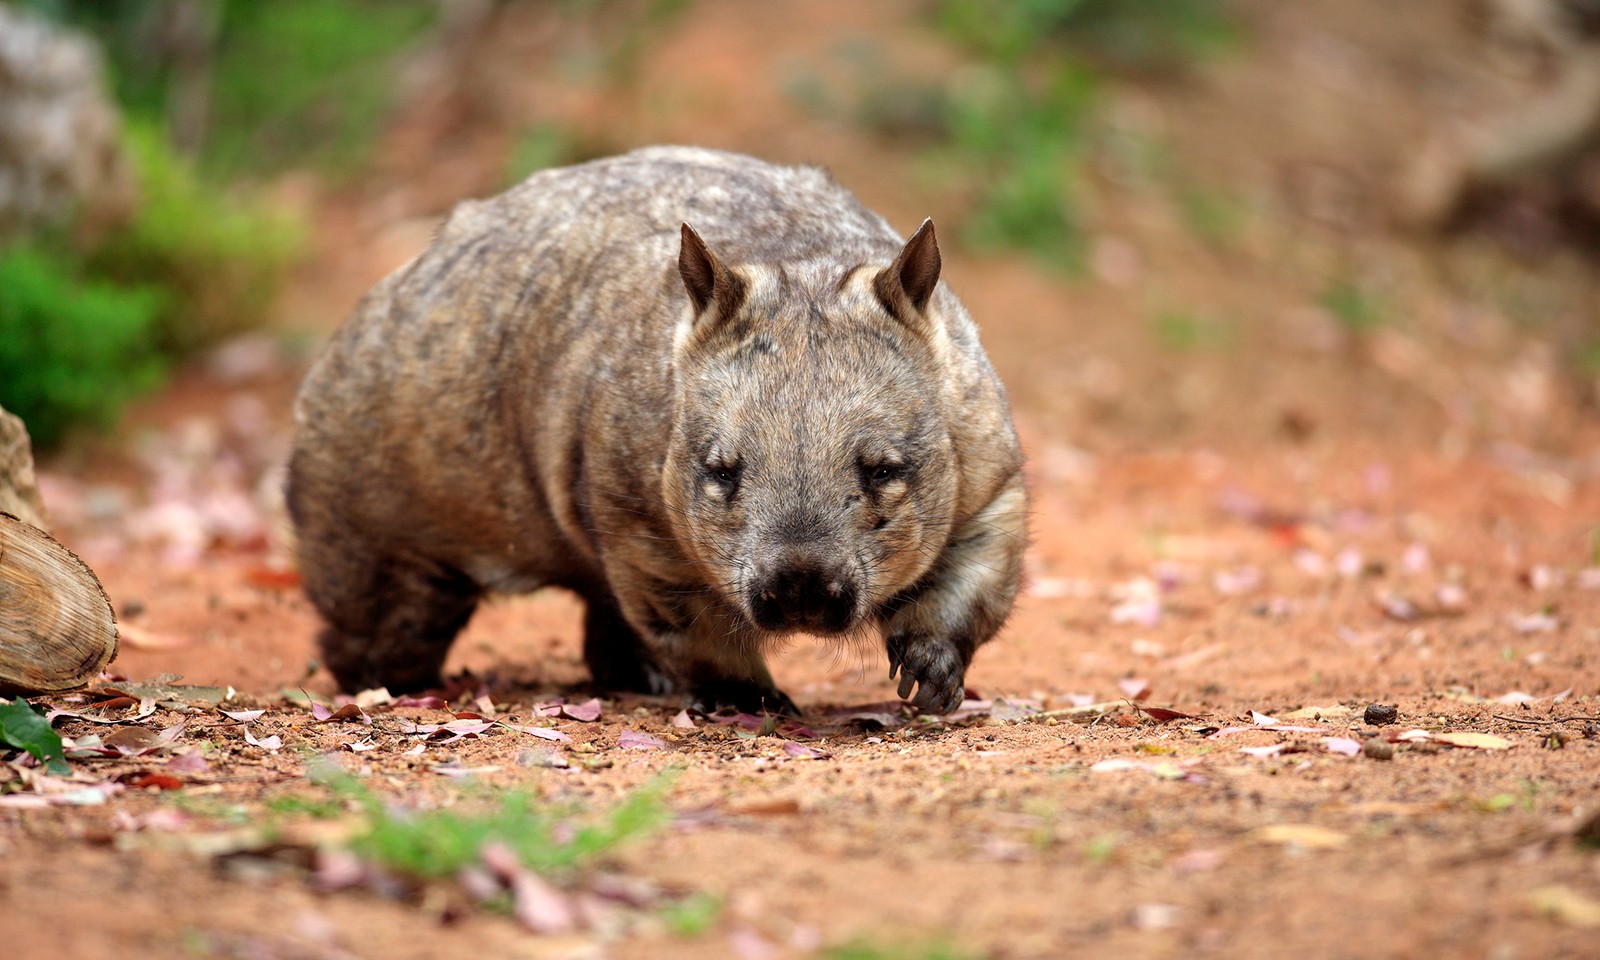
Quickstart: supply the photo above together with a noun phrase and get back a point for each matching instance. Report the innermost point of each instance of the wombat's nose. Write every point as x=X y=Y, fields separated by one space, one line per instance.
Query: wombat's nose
x=803 y=596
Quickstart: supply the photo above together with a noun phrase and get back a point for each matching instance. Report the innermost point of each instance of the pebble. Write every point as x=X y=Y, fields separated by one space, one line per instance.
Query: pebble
x=1380 y=714
x=1377 y=749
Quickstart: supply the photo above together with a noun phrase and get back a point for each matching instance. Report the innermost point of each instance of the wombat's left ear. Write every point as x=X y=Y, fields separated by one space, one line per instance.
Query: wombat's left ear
x=906 y=286
x=710 y=284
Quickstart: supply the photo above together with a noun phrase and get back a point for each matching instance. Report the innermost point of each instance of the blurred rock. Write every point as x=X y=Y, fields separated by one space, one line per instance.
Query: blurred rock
x=19 y=490
x=60 y=144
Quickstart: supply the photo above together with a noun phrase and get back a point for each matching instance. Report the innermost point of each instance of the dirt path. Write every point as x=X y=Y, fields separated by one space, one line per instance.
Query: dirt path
x=1267 y=540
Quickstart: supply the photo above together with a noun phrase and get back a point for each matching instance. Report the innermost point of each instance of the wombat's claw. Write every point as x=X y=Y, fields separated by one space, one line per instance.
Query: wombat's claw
x=934 y=668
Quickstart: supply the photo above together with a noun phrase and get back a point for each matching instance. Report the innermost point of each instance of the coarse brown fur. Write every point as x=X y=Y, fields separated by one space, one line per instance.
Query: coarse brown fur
x=787 y=426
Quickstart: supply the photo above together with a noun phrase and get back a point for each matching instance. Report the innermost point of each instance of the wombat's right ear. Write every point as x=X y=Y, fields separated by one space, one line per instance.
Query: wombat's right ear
x=714 y=290
x=907 y=285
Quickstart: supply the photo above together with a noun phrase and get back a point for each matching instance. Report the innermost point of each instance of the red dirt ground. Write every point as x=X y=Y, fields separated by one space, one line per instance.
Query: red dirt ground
x=1300 y=518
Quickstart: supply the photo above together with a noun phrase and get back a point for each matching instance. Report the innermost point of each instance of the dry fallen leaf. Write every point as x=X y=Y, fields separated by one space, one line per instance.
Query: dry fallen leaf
x=1134 y=688
x=1479 y=741
x=1332 y=711
x=635 y=740
x=1566 y=905
x=1162 y=714
x=1307 y=835
x=1343 y=746
x=587 y=711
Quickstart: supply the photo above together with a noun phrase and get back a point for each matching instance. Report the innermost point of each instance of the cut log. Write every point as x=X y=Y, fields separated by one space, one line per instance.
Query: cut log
x=57 y=631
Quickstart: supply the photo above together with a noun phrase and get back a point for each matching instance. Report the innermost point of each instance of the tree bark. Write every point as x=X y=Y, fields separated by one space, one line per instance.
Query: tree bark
x=19 y=491
x=57 y=631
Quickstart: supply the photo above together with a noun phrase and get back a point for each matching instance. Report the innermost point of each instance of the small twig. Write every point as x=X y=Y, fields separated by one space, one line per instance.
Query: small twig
x=1538 y=723
x=1542 y=723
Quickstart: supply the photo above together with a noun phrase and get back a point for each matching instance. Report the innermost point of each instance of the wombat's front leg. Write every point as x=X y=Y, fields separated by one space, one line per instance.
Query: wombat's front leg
x=931 y=639
x=618 y=658
x=738 y=679
x=709 y=652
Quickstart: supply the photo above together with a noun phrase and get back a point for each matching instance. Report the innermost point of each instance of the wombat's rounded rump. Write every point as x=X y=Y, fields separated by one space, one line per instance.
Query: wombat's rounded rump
x=775 y=420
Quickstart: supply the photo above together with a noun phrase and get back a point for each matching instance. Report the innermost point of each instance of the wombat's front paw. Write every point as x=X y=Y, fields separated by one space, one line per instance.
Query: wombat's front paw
x=936 y=667
x=709 y=697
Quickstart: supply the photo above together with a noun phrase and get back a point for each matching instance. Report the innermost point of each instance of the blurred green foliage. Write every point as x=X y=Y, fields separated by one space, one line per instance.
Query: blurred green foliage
x=89 y=324
x=1028 y=142
x=218 y=254
x=1027 y=124
x=1020 y=122
x=73 y=349
x=1142 y=36
x=1183 y=330
x=440 y=842
x=1355 y=306
x=87 y=327
x=284 y=82
x=541 y=147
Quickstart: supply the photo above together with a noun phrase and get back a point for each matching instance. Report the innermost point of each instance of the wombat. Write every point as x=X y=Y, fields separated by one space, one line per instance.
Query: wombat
x=788 y=426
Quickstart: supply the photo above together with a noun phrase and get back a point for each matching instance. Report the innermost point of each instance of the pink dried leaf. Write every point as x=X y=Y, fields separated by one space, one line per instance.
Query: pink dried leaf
x=1398 y=608
x=1273 y=727
x=1271 y=750
x=587 y=711
x=1117 y=764
x=339 y=868
x=1143 y=611
x=189 y=762
x=170 y=735
x=1002 y=709
x=1134 y=688
x=682 y=721
x=749 y=721
x=540 y=906
x=426 y=703
x=1343 y=746
x=543 y=733
x=1536 y=622
x=1231 y=583
x=467 y=727
x=638 y=740
x=800 y=751
x=1201 y=860
x=273 y=742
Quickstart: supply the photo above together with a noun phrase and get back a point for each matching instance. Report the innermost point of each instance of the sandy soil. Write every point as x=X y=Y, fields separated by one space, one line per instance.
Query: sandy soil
x=1301 y=524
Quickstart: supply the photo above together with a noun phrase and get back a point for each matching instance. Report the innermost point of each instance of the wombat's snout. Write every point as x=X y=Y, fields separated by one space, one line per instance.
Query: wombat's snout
x=803 y=594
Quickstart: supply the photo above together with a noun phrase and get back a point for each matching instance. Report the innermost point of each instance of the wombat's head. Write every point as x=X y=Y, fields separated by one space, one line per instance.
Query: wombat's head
x=810 y=472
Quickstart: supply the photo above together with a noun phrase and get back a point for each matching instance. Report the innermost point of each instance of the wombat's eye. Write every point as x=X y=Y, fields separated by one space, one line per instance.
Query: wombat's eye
x=879 y=474
x=724 y=475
